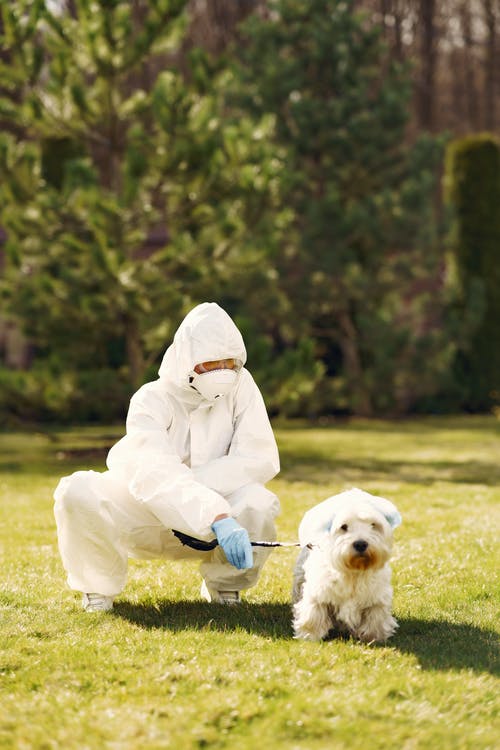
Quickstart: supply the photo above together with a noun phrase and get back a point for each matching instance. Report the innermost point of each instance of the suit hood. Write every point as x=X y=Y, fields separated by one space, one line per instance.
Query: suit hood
x=207 y=333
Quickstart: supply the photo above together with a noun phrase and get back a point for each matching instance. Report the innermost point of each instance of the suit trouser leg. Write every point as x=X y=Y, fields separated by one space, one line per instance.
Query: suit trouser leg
x=100 y=525
x=92 y=554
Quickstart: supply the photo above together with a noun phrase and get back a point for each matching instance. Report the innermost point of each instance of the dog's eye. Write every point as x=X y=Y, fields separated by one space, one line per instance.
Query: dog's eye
x=344 y=527
x=376 y=526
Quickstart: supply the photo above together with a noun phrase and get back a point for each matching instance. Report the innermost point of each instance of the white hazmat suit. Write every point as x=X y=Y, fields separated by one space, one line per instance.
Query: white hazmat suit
x=183 y=461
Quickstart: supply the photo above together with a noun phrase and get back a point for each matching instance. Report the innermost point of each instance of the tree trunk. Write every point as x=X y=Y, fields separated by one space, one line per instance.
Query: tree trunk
x=352 y=364
x=428 y=59
x=398 y=31
x=391 y=18
x=490 y=63
x=471 y=94
x=214 y=23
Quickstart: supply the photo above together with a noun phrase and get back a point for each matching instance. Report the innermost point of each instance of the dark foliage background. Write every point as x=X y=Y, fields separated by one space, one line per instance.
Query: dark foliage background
x=285 y=158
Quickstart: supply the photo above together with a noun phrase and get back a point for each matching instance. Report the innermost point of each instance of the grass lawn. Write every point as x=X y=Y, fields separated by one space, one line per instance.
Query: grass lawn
x=166 y=670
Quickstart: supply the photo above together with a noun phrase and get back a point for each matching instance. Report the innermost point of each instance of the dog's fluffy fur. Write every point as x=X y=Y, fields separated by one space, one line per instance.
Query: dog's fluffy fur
x=342 y=578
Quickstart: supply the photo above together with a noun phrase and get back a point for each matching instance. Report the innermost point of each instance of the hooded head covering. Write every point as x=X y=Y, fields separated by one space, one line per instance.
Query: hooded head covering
x=206 y=334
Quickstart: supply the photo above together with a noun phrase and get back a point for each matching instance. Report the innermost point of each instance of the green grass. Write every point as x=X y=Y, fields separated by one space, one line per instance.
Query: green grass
x=166 y=670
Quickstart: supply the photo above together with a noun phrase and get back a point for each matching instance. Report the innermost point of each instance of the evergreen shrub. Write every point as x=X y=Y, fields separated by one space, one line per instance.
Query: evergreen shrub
x=74 y=397
x=473 y=189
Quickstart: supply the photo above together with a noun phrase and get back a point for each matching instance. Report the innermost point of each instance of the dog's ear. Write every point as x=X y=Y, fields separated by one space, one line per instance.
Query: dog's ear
x=388 y=510
x=394 y=519
x=381 y=505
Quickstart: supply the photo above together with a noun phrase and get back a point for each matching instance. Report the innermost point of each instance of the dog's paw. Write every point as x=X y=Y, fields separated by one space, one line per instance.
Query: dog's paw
x=377 y=627
x=311 y=621
x=304 y=635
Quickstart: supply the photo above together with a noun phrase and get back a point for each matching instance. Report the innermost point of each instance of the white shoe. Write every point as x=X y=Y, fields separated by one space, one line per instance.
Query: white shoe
x=220 y=597
x=97 y=602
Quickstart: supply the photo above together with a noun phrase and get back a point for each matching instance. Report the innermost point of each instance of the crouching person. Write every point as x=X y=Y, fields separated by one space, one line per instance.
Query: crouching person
x=197 y=453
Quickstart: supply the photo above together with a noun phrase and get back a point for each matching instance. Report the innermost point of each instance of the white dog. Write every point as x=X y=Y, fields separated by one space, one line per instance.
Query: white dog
x=342 y=578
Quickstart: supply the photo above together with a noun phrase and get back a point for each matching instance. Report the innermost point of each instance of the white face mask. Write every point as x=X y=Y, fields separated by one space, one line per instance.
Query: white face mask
x=214 y=383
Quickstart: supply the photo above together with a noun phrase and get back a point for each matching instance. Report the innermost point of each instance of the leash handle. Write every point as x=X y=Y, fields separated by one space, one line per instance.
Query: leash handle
x=190 y=541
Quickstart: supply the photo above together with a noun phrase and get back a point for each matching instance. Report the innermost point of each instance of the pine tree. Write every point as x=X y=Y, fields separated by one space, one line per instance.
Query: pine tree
x=362 y=264
x=126 y=187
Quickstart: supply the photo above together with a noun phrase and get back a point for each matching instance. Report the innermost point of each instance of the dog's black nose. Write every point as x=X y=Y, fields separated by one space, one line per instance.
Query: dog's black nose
x=360 y=545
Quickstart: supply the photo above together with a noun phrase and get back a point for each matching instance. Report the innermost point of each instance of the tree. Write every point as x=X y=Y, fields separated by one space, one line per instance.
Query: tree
x=492 y=21
x=428 y=53
x=127 y=188
x=473 y=188
x=362 y=264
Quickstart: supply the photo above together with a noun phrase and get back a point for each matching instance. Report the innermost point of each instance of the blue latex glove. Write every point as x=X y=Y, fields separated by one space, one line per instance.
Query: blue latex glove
x=235 y=542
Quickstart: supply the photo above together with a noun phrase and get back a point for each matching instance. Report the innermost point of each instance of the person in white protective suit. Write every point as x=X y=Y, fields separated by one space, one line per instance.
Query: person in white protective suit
x=197 y=452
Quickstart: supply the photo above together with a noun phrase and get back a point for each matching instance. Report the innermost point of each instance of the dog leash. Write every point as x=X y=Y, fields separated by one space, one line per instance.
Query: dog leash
x=199 y=544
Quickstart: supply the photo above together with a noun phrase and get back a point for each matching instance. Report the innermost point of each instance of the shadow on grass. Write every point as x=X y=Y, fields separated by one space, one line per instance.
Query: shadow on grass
x=437 y=644
x=271 y=620
x=59 y=452
x=317 y=470
x=416 y=425
x=52 y=462
x=312 y=469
